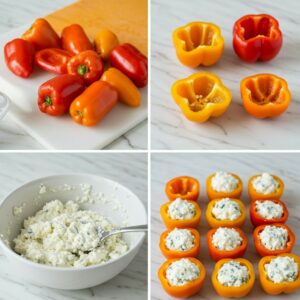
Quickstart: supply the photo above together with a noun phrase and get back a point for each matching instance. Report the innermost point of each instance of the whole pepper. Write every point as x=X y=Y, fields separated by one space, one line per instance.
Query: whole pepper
x=19 y=57
x=94 y=103
x=131 y=62
x=56 y=95
x=105 y=42
x=86 y=64
x=42 y=35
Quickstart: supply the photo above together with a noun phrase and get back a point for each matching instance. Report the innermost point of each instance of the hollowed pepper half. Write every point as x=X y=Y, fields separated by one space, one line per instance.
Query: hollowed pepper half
x=198 y=43
x=265 y=95
x=201 y=96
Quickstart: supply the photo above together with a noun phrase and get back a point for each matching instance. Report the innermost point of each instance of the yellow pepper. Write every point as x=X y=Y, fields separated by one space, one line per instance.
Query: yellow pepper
x=201 y=96
x=198 y=43
x=105 y=41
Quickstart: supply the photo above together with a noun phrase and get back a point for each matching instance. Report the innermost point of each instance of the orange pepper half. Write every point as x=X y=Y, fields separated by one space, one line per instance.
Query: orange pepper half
x=168 y=253
x=201 y=96
x=198 y=43
x=214 y=223
x=265 y=95
x=233 y=291
x=184 y=187
x=272 y=288
x=186 y=290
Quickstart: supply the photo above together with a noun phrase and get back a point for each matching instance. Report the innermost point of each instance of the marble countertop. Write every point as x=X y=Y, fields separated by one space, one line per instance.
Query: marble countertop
x=127 y=169
x=235 y=129
x=167 y=166
x=14 y=13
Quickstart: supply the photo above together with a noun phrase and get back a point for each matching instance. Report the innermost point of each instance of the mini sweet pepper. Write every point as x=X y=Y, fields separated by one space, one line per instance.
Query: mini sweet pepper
x=105 y=42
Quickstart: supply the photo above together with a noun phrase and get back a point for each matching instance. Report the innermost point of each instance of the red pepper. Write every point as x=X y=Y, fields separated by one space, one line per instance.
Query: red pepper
x=88 y=65
x=131 y=62
x=53 y=60
x=257 y=37
x=19 y=57
x=56 y=95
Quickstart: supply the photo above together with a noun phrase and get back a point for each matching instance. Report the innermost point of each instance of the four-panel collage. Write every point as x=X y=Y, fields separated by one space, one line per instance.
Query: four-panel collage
x=149 y=149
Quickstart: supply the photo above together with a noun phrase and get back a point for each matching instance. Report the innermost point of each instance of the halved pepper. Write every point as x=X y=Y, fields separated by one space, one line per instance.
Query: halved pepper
x=265 y=95
x=168 y=253
x=255 y=195
x=105 y=42
x=186 y=290
x=263 y=251
x=212 y=194
x=198 y=43
x=257 y=37
x=233 y=291
x=257 y=219
x=217 y=254
x=201 y=96
x=184 y=187
x=273 y=288
x=215 y=223
x=171 y=223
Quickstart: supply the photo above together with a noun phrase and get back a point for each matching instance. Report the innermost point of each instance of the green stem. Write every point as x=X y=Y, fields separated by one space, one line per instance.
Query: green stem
x=48 y=101
x=80 y=113
x=82 y=70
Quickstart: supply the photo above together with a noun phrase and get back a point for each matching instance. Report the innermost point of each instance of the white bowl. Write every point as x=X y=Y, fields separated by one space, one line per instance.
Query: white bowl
x=27 y=197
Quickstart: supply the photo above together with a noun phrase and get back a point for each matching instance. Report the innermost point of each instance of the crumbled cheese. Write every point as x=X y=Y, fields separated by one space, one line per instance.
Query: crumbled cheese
x=274 y=237
x=181 y=210
x=268 y=209
x=226 y=209
x=180 y=239
x=43 y=189
x=226 y=239
x=265 y=184
x=282 y=268
x=181 y=272
x=17 y=210
x=224 y=182
x=233 y=273
x=65 y=236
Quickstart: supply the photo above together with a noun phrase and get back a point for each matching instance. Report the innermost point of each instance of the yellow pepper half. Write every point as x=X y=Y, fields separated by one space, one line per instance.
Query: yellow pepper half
x=198 y=43
x=201 y=96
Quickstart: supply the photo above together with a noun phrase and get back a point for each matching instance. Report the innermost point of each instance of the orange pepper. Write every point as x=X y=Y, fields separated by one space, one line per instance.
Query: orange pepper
x=232 y=291
x=217 y=254
x=105 y=41
x=183 y=291
x=171 y=223
x=212 y=194
x=269 y=286
x=201 y=96
x=184 y=187
x=168 y=253
x=128 y=92
x=42 y=35
x=265 y=95
x=263 y=251
x=254 y=195
x=198 y=43
x=214 y=223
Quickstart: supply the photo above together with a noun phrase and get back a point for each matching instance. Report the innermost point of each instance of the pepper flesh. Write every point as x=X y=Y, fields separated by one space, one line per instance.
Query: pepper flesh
x=201 y=96
x=105 y=42
x=198 y=43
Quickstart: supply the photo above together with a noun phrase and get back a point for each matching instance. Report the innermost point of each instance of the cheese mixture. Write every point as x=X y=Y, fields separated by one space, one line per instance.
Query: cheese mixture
x=282 y=268
x=181 y=272
x=265 y=184
x=63 y=235
x=274 y=238
x=180 y=239
x=226 y=209
x=181 y=210
x=224 y=182
x=226 y=239
x=268 y=209
x=233 y=273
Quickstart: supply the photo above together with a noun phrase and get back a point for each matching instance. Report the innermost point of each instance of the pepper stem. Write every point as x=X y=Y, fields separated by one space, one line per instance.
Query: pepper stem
x=48 y=101
x=80 y=113
x=82 y=70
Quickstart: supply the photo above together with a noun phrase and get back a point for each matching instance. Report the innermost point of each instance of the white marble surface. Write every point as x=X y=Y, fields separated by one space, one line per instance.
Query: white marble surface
x=167 y=166
x=236 y=129
x=14 y=13
x=127 y=169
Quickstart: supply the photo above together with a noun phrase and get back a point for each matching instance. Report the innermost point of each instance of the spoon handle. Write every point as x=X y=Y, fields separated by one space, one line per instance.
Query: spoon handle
x=133 y=228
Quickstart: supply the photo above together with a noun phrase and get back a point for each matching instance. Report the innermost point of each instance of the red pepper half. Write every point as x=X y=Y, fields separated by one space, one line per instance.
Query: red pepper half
x=19 y=57
x=56 y=95
x=257 y=37
x=131 y=62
